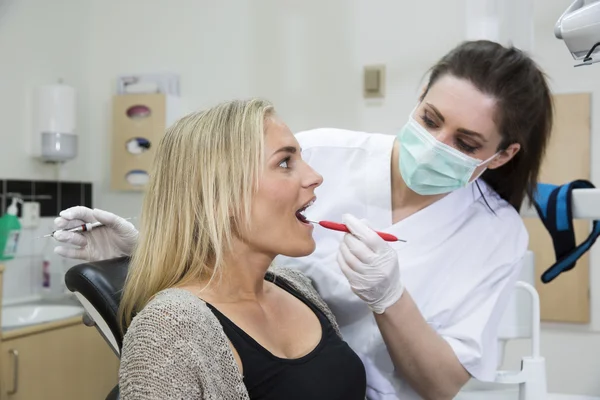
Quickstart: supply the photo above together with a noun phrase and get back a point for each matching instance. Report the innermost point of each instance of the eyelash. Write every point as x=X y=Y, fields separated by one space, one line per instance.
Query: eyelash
x=287 y=161
x=460 y=143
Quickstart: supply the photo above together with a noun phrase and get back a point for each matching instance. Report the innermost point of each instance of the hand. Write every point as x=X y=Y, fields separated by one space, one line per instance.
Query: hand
x=370 y=265
x=115 y=239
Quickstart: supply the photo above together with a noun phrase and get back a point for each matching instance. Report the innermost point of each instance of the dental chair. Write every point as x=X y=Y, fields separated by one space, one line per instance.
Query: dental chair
x=98 y=286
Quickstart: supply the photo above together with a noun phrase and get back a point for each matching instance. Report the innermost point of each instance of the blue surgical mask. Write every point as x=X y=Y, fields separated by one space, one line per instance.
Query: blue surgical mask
x=430 y=167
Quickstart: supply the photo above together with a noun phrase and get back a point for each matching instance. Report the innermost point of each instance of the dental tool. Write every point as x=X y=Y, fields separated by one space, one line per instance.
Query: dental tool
x=335 y=226
x=81 y=228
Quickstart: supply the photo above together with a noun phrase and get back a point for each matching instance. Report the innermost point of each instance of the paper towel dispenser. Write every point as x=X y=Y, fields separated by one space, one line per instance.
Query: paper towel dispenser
x=55 y=137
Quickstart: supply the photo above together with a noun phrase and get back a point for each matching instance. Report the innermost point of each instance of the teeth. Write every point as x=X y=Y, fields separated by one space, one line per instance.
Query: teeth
x=310 y=203
x=300 y=212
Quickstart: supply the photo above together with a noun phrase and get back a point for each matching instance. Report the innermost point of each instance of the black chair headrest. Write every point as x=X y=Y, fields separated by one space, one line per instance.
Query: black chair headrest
x=101 y=283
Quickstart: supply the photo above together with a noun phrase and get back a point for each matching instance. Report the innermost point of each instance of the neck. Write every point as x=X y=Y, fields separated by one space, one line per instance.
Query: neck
x=405 y=202
x=242 y=276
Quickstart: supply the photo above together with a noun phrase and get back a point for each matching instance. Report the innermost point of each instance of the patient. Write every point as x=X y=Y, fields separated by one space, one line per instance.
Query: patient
x=212 y=321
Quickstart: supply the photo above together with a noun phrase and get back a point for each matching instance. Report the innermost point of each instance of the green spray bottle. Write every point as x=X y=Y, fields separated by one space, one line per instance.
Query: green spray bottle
x=10 y=229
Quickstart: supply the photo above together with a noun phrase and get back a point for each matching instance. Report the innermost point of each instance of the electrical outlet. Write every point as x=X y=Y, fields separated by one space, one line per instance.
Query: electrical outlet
x=30 y=214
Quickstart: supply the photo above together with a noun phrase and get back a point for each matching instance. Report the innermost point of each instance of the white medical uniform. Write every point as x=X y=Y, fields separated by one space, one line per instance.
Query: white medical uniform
x=459 y=264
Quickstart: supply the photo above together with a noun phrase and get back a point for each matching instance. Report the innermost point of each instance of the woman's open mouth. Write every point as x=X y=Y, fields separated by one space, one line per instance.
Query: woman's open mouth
x=300 y=212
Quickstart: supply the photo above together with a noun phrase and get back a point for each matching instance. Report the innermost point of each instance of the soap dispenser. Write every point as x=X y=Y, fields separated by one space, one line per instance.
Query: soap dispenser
x=10 y=229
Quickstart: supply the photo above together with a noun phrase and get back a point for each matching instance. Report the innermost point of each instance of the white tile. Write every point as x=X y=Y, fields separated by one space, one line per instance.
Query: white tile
x=42 y=245
x=17 y=278
x=35 y=276
x=25 y=247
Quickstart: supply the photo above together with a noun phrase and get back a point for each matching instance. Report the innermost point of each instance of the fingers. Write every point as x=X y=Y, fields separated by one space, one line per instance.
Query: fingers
x=360 y=250
x=108 y=219
x=352 y=261
x=362 y=231
x=78 y=212
x=61 y=223
x=71 y=238
x=346 y=270
x=69 y=252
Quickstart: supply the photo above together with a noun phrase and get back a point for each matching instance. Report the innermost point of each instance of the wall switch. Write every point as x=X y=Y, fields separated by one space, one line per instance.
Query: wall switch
x=374 y=81
x=30 y=214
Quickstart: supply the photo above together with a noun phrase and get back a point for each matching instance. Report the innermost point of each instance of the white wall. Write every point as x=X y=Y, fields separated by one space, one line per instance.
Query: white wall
x=304 y=60
x=40 y=42
x=408 y=37
x=310 y=56
x=207 y=43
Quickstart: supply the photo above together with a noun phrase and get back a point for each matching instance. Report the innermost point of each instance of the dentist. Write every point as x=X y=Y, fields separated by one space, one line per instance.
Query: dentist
x=423 y=315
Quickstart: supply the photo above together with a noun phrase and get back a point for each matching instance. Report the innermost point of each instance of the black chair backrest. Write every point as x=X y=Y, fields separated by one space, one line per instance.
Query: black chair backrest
x=101 y=283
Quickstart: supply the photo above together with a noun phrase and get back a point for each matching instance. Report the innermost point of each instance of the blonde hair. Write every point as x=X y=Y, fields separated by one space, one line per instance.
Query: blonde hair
x=204 y=175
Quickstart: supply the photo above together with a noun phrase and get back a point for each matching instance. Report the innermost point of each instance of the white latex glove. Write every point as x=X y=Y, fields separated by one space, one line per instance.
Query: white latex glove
x=115 y=239
x=370 y=265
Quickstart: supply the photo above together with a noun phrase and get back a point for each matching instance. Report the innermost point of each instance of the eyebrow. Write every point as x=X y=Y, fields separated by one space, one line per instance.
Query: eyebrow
x=286 y=149
x=461 y=130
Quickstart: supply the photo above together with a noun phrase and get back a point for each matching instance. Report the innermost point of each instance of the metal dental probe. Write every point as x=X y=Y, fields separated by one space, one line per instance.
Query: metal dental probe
x=81 y=228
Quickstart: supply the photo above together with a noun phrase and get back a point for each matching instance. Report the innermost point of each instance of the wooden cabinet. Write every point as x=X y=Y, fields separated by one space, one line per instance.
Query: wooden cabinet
x=72 y=362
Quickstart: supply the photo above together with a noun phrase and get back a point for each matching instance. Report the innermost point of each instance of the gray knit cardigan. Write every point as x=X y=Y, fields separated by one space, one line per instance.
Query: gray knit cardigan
x=175 y=348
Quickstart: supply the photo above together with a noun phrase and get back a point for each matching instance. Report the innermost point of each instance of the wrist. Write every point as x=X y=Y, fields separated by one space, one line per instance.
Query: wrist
x=391 y=297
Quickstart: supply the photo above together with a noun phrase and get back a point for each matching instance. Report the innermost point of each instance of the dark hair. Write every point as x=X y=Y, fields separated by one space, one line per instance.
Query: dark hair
x=524 y=112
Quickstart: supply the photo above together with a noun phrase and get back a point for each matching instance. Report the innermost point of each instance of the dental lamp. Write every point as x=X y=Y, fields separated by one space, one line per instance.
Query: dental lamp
x=579 y=28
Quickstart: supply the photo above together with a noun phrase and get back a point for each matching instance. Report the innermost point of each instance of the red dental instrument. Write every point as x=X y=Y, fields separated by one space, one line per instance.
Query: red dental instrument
x=335 y=226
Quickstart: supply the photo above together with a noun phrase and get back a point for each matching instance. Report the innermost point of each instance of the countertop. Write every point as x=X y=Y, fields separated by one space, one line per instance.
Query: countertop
x=12 y=333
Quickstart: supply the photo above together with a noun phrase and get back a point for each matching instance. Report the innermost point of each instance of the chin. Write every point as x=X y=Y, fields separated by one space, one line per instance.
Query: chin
x=300 y=249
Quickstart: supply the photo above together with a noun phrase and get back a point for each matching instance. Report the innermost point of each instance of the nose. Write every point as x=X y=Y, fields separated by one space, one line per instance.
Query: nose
x=311 y=178
x=444 y=135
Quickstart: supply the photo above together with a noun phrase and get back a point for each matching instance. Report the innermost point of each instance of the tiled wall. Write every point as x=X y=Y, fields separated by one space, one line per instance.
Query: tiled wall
x=53 y=196
x=23 y=274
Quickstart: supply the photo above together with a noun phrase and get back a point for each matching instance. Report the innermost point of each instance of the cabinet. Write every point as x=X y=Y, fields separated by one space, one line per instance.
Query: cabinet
x=72 y=362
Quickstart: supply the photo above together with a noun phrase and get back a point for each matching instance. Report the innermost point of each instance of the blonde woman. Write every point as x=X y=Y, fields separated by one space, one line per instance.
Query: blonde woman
x=212 y=321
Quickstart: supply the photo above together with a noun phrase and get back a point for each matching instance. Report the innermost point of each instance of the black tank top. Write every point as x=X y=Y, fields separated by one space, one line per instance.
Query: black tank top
x=330 y=371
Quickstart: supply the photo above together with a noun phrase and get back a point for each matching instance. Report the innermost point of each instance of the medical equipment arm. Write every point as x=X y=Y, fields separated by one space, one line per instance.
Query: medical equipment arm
x=579 y=28
x=422 y=357
x=115 y=239
x=584 y=203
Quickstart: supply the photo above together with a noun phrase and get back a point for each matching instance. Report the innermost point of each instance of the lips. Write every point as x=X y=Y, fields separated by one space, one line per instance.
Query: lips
x=300 y=211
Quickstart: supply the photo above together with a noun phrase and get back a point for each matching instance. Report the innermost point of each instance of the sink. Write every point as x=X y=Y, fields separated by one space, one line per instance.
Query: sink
x=26 y=315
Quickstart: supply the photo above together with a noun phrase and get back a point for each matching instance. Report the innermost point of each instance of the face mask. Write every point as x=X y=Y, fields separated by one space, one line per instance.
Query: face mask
x=430 y=167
